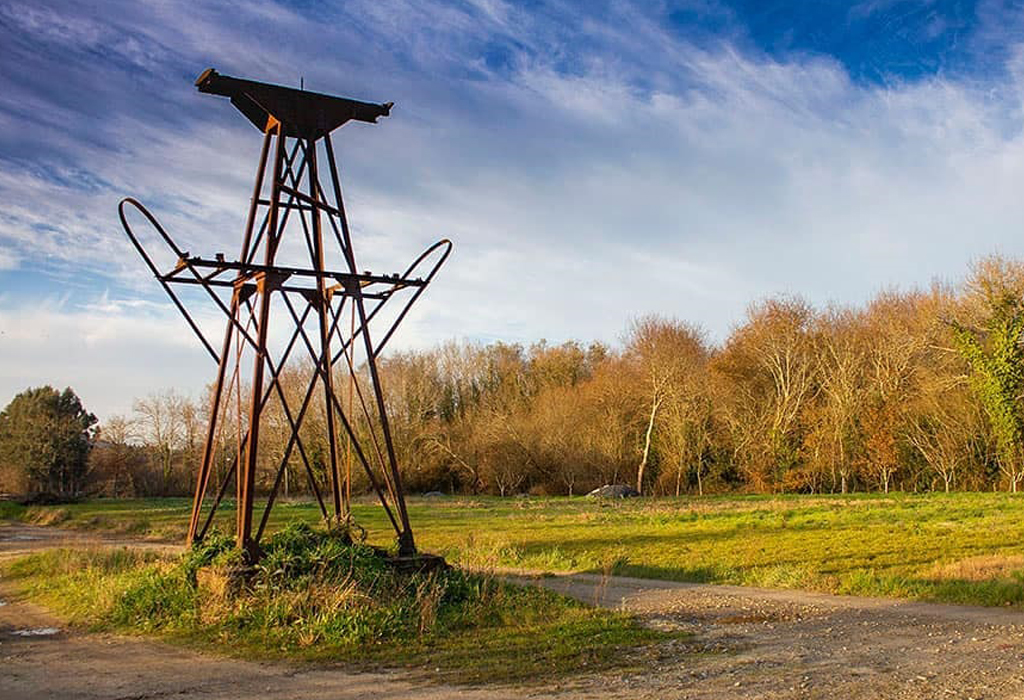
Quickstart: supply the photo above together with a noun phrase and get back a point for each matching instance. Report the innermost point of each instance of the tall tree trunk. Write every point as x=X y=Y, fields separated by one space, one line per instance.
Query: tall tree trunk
x=647 y=446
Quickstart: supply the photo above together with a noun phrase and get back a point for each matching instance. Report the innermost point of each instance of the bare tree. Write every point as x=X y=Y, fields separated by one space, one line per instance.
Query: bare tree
x=841 y=361
x=158 y=418
x=770 y=376
x=663 y=352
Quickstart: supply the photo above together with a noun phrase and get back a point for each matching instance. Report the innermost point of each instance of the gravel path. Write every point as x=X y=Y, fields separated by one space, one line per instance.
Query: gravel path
x=760 y=643
x=747 y=643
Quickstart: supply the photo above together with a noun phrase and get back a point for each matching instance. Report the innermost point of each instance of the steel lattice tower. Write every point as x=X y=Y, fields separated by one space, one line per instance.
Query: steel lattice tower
x=286 y=294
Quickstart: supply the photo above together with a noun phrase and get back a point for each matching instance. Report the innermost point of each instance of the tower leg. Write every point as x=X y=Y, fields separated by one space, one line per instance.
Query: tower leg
x=266 y=283
x=322 y=301
x=209 y=446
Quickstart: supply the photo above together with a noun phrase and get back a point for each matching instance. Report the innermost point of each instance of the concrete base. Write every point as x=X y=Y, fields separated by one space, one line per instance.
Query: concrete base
x=418 y=563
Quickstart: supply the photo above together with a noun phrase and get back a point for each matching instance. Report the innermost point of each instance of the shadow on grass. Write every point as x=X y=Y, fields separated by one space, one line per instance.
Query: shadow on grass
x=684 y=574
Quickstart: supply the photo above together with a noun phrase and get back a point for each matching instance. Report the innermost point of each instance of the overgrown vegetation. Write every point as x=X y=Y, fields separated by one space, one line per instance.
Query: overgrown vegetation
x=996 y=356
x=316 y=597
x=962 y=547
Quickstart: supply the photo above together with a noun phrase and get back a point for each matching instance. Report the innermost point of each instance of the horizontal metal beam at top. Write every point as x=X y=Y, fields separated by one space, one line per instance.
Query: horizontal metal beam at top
x=226 y=284
x=251 y=269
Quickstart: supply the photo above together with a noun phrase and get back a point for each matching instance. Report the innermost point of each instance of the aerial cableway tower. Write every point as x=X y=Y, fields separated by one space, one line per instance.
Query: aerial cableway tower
x=295 y=290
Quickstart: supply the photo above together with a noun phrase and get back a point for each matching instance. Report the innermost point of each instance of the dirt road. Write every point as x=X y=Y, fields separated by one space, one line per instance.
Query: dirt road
x=749 y=643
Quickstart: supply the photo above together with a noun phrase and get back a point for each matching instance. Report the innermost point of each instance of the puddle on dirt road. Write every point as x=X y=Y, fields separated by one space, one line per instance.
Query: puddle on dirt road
x=36 y=632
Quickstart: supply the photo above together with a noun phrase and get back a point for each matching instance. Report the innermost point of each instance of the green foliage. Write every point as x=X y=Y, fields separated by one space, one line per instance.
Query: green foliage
x=45 y=438
x=996 y=357
x=9 y=510
x=298 y=552
x=216 y=548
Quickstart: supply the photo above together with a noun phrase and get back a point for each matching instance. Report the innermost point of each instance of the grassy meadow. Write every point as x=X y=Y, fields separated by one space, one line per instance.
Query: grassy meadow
x=961 y=547
x=317 y=597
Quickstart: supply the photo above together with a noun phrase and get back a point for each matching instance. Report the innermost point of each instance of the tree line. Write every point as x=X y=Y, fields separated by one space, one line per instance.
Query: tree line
x=914 y=391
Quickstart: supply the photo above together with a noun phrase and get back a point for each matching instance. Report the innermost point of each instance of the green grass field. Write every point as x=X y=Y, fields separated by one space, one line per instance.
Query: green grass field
x=316 y=597
x=963 y=548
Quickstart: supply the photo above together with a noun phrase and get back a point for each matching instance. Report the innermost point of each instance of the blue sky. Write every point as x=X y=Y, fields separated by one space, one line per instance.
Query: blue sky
x=592 y=161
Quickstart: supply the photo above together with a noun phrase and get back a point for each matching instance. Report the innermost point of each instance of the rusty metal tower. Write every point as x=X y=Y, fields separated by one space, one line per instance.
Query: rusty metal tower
x=295 y=284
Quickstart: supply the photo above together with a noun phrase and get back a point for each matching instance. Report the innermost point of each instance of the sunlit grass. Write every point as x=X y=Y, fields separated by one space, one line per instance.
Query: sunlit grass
x=314 y=597
x=918 y=546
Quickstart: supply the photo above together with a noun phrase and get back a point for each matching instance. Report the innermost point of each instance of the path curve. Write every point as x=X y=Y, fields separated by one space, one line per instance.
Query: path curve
x=747 y=643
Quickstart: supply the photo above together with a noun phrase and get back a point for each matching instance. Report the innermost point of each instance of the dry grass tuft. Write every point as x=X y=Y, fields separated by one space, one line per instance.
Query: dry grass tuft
x=47 y=516
x=986 y=567
x=429 y=594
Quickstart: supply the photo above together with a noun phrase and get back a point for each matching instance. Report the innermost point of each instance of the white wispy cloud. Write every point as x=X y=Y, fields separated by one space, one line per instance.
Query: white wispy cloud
x=8 y=260
x=583 y=183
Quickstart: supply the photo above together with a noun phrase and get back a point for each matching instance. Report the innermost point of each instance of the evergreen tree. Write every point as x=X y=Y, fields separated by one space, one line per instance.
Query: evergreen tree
x=45 y=438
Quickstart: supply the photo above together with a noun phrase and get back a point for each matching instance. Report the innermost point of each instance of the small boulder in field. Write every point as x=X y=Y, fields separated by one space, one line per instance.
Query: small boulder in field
x=435 y=494
x=614 y=491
